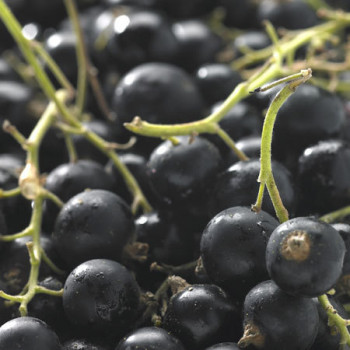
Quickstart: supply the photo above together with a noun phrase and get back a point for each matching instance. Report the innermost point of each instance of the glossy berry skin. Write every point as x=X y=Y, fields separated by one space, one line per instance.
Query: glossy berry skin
x=304 y=256
x=233 y=249
x=92 y=224
x=137 y=164
x=294 y=14
x=28 y=333
x=15 y=97
x=252 y=39
x=201 y=315
x=183 y=8
x=324 y=177
x=101 y=295
x=223 y=346
x=141 y=36
x=237 y=185
x=61 y=46
x=216 y=81
x=274 y=320
x=239 y=13
x=47 y=308
x=169 y=242
x=158 y=93
x=181 y=172
x=10 y=165
x=149 y=338
x=69 y=179
x=310 y=115
x=198 y=44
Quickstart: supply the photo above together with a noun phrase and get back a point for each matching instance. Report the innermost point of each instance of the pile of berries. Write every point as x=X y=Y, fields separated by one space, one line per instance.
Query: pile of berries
x=159 y=245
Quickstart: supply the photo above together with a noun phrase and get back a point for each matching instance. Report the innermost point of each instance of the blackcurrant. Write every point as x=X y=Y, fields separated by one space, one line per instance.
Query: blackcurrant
x=304 y=256
x=274 y=320
x=233 y=249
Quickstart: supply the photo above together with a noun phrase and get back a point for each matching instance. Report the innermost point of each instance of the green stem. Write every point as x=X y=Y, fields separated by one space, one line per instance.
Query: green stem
x=13 y=298
x=258 y=204
x=230 y=143
x=50 y=263
x=24 y=44
x=336 y=215
x=72 y=152
x=33 y=278
x=55 y=69
x=13 y=131
x=317 y=4
x=335 y=318
x=266 y=175
x=81 y=55
x=281 y=211
x=10 y=193
x=208 y=124
x=41 y=128
x=289 y=44
x=43 y=290
x=26 y=232
x=52 y=197
x=139 y=198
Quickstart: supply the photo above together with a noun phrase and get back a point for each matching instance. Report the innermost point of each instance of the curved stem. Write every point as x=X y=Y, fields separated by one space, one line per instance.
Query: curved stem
x=139 y=198
x=50 y=195
x=336 y=319
x=336 y=215
x=10 y=193
x=55 y=69
x=26 y=232
x=43 y=290
x=50 y=263
x=81 y=55
x=266 y=176
x=230 y=143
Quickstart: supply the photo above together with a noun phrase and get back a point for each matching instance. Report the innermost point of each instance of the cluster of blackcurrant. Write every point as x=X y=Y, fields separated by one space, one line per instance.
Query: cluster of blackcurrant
x=168 y=181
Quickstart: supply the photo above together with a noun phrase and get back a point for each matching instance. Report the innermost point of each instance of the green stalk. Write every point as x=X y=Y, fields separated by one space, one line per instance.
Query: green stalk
x=266 y=177
x=81 y=55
